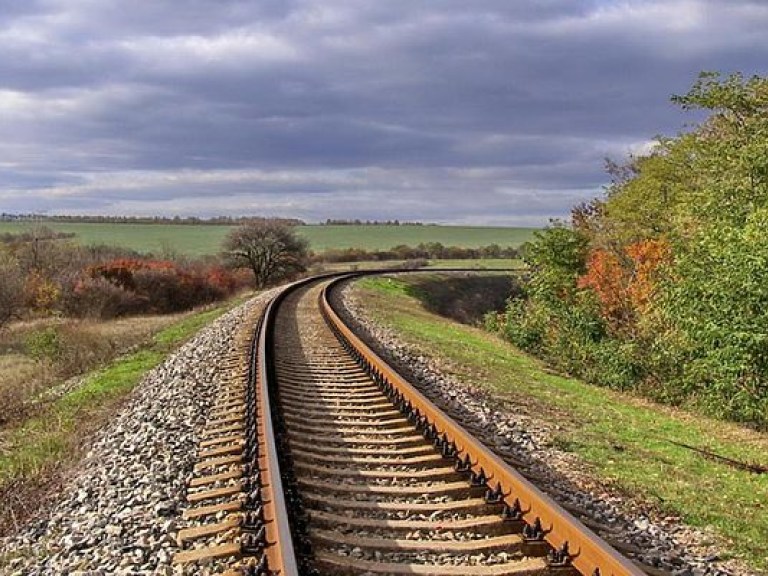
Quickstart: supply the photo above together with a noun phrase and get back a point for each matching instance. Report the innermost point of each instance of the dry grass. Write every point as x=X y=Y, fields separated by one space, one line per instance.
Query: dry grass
x=35 y=452
x=20 y=378
x=73 y=347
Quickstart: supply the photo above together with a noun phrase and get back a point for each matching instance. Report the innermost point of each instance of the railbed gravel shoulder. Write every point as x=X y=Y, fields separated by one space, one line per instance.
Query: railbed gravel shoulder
x=526 y=442
x=118 y=512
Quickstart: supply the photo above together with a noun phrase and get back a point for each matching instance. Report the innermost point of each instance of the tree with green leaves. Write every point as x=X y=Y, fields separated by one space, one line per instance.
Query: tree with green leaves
x=662 y=284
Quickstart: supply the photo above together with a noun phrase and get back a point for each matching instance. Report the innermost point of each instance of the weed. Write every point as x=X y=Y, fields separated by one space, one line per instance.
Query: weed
x=43 y=344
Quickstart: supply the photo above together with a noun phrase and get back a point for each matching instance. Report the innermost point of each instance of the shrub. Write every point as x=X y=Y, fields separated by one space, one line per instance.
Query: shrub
x=412 y=264
x=162 y=287
x=99 y=298
x=42 y=294
x=43 y=344
x=169 y=290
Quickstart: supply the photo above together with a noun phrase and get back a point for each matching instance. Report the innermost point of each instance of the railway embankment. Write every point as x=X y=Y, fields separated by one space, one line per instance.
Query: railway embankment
x=609 y=458
x=121 y=506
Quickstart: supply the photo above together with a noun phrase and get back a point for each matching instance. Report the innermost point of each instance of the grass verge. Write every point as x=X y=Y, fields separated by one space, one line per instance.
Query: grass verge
x=619 y=437
x=34 y=449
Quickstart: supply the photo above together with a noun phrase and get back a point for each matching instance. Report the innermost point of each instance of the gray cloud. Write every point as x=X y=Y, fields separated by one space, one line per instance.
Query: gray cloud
x=489 y=111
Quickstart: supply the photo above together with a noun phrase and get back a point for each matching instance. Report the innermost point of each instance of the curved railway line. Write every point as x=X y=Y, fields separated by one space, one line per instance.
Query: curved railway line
x=320 y=459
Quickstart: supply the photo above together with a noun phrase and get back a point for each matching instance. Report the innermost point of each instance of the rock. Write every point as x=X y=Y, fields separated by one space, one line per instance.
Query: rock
x=165 y=508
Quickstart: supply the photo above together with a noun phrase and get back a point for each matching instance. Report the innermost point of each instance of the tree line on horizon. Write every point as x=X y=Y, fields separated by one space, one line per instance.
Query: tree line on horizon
x=182 y=220
x=192 y=220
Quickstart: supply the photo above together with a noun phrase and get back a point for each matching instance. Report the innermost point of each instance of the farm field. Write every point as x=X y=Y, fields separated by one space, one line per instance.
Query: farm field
x=200 y=240
x=480 y=264
x=383 y=237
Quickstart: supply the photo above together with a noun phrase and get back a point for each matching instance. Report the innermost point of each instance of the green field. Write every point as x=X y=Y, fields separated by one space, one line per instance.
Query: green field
x=479 y=264
x=383 y=237
x=194 y=240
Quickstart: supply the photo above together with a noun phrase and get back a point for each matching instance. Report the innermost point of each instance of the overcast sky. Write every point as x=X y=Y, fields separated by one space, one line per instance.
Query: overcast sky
x=456 y=111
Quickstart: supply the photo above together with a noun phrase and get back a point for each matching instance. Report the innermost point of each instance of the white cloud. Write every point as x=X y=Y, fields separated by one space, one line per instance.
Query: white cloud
x=452 y=111
x=188 y=53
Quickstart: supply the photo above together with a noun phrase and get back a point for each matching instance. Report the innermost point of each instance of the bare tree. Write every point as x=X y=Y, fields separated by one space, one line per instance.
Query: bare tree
x=11 y=287
x=272 y=250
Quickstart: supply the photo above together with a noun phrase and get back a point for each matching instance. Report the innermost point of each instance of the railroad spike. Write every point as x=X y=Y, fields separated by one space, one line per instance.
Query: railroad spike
x=251 y=482
x=533 y=532
x=559 y=558
x=494 y=496
x=253 y=498
x=479 y=479
x=253 y=542
x=253 y=519
x=465 y=465
x=514 y=513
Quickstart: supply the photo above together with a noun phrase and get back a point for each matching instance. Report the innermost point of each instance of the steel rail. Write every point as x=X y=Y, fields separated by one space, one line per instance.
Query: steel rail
x=280 y=551
x=575 y=544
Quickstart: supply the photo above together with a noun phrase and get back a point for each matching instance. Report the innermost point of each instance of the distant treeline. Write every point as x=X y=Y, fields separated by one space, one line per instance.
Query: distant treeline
x=190 y=220
x=430 y=250
x=193 y=220
x=358 y=222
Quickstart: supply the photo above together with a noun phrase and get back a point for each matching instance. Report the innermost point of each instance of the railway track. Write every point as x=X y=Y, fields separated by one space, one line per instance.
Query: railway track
x=320 y=459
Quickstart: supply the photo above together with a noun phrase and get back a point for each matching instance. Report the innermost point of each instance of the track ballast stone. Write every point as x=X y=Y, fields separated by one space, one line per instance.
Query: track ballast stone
x=119 y=511
x=526 y=443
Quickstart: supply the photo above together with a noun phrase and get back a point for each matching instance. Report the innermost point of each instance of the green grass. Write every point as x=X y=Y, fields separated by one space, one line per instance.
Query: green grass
x=197 y=240
x=384 y=237
x=482 y=264
x=619 y=437
x=157 y=238
x=46 y=440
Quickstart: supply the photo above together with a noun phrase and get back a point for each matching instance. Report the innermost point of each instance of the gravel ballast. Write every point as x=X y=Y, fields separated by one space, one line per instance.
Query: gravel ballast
x=525 y=442
x=120 y=510
x=117 y=513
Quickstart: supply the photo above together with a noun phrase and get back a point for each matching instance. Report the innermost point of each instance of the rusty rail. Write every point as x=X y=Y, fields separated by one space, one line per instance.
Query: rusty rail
x=575 y=544
x=281 y=556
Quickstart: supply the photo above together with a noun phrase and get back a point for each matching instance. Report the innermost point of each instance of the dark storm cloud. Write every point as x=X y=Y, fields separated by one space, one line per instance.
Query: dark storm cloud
x=490 y=111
